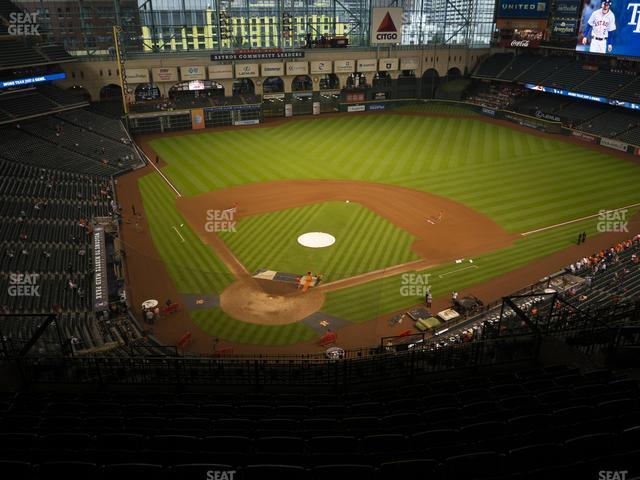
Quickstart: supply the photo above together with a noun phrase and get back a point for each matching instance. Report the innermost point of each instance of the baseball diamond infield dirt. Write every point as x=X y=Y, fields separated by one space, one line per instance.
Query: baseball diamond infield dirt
x=462 y=232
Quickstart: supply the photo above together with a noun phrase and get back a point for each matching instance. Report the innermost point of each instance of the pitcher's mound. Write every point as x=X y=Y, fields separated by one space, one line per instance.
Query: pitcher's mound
x=245 y=300
x=316 y=240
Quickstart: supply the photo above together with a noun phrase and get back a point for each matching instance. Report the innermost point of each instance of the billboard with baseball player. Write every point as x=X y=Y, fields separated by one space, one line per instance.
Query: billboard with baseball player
x=610 y=27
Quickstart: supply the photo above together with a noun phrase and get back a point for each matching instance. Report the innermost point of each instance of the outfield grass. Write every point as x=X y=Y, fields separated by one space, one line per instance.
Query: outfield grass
x=364 y=241
x=521 y=181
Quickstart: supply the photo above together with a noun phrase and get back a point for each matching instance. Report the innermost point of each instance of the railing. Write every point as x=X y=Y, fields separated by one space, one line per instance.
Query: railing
x=300 y=370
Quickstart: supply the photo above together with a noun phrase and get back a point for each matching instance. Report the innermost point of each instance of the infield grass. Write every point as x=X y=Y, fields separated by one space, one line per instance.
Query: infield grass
x=364 y=241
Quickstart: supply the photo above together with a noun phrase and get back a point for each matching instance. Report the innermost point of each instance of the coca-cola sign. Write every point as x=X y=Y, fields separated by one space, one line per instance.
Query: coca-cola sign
x=520 y=43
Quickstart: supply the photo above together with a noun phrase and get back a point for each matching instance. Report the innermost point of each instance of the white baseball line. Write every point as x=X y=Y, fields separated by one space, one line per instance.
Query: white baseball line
x=457 y=270
x=179 y=234
x=165 y=179
x=578 y=219
x=158 y=170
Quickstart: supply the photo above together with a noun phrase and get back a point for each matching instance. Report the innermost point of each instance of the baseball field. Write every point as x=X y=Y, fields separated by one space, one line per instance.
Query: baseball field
x=452 y=198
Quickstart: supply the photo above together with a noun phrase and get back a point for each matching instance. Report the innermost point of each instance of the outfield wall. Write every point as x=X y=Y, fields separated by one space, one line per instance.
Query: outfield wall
x=288 y=106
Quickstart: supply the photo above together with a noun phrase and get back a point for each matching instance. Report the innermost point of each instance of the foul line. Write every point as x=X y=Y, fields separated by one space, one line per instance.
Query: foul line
x=578 y=219
x=457 y=270
x=179 y=234
x=159 y=171
x=165 y=178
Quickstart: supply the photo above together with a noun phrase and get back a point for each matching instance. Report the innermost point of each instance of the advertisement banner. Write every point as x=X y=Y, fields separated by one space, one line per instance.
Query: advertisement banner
x=388 y=64
x=386 y=26
x=356 y=108
x=521 y=24
x=17 y=82
x=220 y=72
x=246 y=70
x=197 y=119
x=610 y=29
x=523 y=9
x=193 y=73
x=370 y=65
x=567 y=8
x=409 y=63
x=165 y=74
x=344 y=66
x=297 y=68
x=583 y=136
x=272 y=69
x=137 y=75
x=257 y=54
x=530 y=122
x=288 y=110
x=253 y=121
x=489 y=111
x=615 y=144
x=323 y=66
x=520 y=43
x=376 y=106
x=316 y=108
x=564 y=27
x=638 y=151
x=583 y=96
x=566 y=14
x=100 y=274
x=547 y=116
